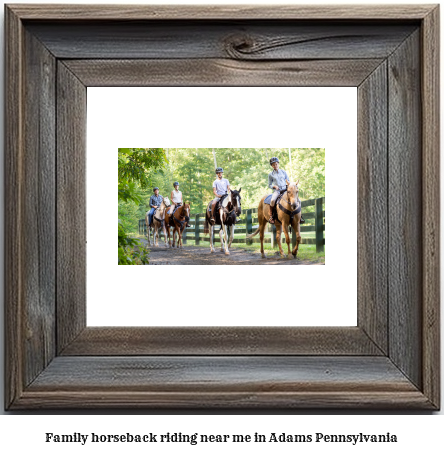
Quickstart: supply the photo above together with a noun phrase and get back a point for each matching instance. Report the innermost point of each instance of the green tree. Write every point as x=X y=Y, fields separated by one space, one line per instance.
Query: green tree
x=134 y=165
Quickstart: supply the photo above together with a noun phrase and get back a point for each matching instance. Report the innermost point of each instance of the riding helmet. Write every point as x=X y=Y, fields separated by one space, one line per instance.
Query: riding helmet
x=175 y=183
x=274 y=160
x=219 y=170
x=155 y=188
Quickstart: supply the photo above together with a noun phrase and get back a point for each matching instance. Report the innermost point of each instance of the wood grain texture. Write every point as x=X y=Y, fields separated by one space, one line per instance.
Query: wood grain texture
x=220 y=12
x=236 y=40
x=127 y=341
x=431 y=205
x=407 y=378
x=38 y=221
x=372 y=207
x=405 y=209
x=208 y=381
x=13 y=207
x=221 y=72
x=71 y=206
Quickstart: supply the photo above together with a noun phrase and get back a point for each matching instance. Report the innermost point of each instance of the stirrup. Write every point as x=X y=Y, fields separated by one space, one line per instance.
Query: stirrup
x=271 y=220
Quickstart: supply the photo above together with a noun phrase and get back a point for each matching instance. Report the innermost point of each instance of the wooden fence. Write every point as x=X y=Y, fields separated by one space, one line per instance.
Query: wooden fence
x=314 y=222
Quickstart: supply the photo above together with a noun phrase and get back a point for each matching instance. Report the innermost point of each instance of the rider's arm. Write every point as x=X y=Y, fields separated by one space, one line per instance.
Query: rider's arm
x=270 y=182
x=228 y=188
x=215 y=193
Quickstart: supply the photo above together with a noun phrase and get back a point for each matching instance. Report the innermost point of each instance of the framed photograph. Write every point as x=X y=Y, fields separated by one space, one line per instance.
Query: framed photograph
x=389 y=359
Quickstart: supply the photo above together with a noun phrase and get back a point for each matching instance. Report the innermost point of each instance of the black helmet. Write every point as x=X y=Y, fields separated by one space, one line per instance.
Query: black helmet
x=175 y=183
x=155 y=188
x=219 y=170
x=274 y=160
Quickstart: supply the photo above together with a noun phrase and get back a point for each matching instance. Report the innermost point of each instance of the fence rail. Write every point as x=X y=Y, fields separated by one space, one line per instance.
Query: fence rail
x=315 y=223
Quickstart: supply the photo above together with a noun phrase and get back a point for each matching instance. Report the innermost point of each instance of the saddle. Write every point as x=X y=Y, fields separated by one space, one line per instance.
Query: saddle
x=278 y=200
x=218 y=204
x=171 y=215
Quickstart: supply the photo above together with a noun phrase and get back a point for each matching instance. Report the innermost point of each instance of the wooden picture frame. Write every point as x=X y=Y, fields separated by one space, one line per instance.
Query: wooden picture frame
x=390 y=360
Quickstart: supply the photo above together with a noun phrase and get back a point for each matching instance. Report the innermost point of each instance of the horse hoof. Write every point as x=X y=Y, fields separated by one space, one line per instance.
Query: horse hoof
x=290 y=256
x=227 y=253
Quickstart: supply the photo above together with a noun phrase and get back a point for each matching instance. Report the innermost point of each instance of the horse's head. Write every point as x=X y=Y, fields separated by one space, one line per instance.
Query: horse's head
x=293 y=194
x=186 y=212
x=236 y=200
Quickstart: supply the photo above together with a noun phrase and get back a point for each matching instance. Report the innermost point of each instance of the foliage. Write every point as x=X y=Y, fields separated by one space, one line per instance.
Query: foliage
x=134 y=181
x=243 y=167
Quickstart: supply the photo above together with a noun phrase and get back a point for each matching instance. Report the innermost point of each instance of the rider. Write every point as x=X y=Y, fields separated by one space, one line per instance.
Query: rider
x=155 y=202
x=176 y=198
x=221 y=187
x=277 y=182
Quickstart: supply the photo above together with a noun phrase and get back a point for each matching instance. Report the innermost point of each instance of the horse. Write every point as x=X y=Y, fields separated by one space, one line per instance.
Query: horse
x=288 y=211
x=178 y=221
x=225 y=216
x=158 y=222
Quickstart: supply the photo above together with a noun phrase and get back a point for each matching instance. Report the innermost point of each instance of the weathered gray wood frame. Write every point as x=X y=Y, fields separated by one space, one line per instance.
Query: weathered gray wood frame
x=390 y=360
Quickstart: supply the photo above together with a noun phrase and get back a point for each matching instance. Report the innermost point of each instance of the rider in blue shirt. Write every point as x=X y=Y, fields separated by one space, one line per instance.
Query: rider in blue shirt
x=277 y=182
x=155 y=202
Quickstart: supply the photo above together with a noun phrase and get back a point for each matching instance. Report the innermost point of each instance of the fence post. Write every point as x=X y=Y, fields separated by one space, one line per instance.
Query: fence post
x=248 y=226
x=318 y=225
x=196 y=229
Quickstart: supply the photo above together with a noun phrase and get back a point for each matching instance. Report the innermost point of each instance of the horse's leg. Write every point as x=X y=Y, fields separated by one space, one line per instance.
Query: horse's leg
x=174 y=236
x=224 y=245
x=164 y=234
x=262 y=225
x=287 y=239
x=167 y=228
x=211 y=238
x=278 y=237
x=221 y=240
x=231 y=235
x=297 y=229
x=179 y=239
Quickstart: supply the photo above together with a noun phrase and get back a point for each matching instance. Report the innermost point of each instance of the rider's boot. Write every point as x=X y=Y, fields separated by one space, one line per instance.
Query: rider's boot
x=271 y=219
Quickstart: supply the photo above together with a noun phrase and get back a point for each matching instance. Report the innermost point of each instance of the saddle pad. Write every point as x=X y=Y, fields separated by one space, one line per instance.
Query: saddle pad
x=268 y=199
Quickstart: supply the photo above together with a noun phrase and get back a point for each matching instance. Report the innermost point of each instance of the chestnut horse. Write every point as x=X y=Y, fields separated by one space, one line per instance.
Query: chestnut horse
x=225 y=216
x=288 y=210
x=178 y=221
x=158 y=222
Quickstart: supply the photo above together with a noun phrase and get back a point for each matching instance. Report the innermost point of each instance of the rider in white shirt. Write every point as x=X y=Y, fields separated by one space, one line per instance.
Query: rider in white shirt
x=176 y=198
x=221 y=187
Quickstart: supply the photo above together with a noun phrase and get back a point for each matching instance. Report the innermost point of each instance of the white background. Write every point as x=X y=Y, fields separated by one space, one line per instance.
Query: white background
x=420 y=434
x=226 y=117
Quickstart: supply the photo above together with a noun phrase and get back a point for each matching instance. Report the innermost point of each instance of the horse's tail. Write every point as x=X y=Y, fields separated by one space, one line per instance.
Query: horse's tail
x=206 y=226
x=254 y=234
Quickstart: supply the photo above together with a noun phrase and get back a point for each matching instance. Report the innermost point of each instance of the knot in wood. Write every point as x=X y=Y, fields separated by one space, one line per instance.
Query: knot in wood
x=238 y=46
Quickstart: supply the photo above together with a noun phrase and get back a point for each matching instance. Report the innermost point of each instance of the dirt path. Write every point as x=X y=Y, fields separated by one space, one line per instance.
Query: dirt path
x=201 y=255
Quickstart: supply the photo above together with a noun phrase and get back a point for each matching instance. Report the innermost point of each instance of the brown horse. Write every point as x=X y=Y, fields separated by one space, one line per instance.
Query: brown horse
x=158 y=222
x=289 y=204
x=178 y=221
x=225 y=216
